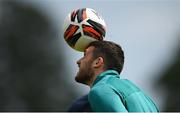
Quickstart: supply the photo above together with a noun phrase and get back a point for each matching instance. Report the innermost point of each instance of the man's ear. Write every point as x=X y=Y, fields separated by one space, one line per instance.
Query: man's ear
x=98 y=62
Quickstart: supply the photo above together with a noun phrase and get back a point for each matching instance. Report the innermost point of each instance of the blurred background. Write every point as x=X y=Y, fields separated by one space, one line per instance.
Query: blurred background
x=37 y=67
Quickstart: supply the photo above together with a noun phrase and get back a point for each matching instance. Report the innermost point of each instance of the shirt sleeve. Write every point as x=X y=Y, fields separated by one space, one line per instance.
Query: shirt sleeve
x=103 y=98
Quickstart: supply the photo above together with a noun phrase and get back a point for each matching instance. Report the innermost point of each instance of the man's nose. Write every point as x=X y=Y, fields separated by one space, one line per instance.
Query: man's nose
x=78 y=62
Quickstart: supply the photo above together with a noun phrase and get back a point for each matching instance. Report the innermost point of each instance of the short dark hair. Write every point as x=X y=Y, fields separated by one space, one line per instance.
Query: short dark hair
x=111 y=52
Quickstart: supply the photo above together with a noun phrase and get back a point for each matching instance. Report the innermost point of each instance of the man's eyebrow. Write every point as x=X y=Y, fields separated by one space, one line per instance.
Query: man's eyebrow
x=85 y=50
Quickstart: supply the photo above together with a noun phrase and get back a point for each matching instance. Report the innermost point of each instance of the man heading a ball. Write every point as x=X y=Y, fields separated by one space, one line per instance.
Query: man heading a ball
x=99 y=68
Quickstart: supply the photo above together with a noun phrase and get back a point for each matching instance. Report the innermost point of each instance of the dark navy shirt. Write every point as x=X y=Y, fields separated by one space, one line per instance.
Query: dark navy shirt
x=80 y=105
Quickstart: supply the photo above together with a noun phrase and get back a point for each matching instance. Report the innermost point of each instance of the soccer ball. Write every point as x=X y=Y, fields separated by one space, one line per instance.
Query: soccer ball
x=83 y=26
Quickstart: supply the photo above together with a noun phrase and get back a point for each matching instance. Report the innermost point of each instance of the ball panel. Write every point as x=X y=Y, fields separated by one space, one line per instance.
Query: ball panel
x=95 y=16
x=98 y=27
x=70 y=31
x=73 y=15
x=90 y=31
x=66 y=23
x=83 y=42
x=80 y=14
x=73 y=39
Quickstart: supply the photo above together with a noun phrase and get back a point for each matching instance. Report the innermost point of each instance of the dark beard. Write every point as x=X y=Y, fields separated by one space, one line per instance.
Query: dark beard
x=85 y=75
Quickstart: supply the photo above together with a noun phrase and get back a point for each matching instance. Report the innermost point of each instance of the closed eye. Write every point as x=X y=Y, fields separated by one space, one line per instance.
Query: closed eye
x=85 y=53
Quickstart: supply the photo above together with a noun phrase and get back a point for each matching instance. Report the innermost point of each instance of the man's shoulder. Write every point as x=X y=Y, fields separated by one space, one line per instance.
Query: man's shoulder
x=100 y=89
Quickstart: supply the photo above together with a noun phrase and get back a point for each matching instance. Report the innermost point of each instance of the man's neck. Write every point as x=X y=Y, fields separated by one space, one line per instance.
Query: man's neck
x=96 y=73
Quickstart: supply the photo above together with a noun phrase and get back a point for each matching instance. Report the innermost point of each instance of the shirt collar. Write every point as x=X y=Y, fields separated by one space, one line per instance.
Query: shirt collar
x=103 y=74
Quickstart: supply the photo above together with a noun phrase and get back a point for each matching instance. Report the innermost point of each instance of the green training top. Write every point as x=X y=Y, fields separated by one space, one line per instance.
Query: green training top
x=109 y=93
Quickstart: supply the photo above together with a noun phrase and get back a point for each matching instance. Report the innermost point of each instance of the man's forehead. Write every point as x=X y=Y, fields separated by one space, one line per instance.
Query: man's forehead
x=90 y=48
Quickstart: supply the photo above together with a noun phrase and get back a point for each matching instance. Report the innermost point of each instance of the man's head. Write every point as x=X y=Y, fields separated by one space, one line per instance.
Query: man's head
x=98 y=57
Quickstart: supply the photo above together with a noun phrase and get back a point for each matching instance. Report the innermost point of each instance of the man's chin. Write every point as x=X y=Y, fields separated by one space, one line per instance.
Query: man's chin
x=79 y=79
